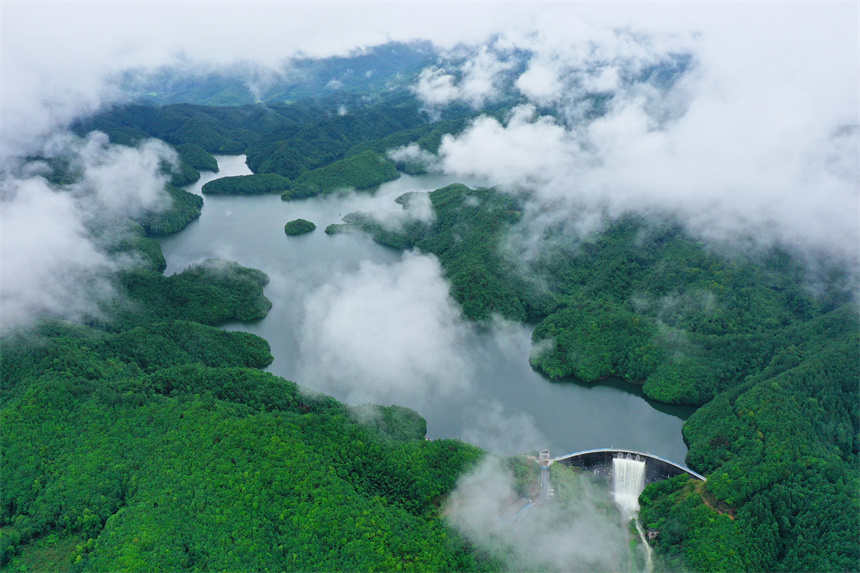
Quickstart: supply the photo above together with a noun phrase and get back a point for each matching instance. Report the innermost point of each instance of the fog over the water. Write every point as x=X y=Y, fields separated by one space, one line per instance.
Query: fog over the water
x=388 y=332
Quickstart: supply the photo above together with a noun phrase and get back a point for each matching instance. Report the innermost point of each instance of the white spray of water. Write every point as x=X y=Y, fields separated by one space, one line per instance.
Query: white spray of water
x=628 y=477
x=628 y=480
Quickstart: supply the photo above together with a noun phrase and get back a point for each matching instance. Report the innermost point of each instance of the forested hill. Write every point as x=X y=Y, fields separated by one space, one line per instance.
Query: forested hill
x=147 y=440
x=293 y=141
x=369 y=71
x=774 y=367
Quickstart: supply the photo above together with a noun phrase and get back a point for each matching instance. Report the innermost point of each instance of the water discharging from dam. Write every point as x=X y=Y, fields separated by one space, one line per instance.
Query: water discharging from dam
x=628 y=481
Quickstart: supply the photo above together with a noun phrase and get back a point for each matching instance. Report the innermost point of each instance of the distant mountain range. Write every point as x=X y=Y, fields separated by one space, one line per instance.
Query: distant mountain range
x=369 y=71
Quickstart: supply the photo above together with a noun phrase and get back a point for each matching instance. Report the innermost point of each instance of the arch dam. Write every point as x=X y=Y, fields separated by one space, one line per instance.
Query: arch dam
x=600 y=463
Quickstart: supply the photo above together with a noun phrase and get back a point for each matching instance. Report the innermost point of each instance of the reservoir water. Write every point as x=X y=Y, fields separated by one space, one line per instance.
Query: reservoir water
x=365 y=323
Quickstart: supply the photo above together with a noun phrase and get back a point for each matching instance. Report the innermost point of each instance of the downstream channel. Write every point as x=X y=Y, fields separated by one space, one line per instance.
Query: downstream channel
x=485 y=393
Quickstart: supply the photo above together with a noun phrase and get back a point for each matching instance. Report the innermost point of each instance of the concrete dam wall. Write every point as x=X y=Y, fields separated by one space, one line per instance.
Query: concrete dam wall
x=600 y=462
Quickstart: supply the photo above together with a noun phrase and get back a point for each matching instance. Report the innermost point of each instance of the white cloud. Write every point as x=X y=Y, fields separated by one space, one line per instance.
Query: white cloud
x=414 y=154
x=495 y=429
x=605 y=80
x=58 y=63
x=540 y=83
x=482 y=77
x=436 y=87
x=124 y=180
x=480 y=81
x=757 y=139
x=553 y=536
x=418 y=207
x=386 y=334
x=752 y=141
x=50 y=264
x=53 y=260
x=527 y=151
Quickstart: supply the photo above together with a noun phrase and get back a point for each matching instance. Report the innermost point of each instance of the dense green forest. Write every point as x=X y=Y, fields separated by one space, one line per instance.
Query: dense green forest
x=278 y=138
x=289 y=139
x=207 y=467
x=195 y=156
x=363 y=171
x=246 y=185
x=774 y=367
x=153 y=467
x=184 y=208
x=146 y=439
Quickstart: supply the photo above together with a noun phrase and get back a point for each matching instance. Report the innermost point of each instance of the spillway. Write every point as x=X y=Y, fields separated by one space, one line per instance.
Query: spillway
x=601 y=462
x=628 y=481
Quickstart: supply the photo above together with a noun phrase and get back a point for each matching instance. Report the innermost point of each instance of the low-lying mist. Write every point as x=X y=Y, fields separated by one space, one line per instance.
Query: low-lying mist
x=578 y=528
x=386 y=333
x=392 y=334
x=749 y=151
x=56 y=237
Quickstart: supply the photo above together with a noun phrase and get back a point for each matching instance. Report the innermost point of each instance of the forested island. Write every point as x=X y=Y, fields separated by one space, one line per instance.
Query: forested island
x=299 y=227
x=149 y=439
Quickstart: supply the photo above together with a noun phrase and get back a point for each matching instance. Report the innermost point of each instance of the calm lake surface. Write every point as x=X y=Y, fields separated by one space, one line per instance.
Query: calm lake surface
x=501 y=403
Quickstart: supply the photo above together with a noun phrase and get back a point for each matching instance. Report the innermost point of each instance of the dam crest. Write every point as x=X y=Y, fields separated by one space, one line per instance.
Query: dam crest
x=601 y=462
